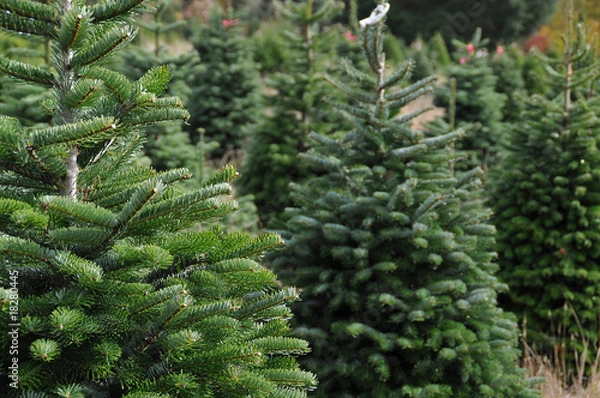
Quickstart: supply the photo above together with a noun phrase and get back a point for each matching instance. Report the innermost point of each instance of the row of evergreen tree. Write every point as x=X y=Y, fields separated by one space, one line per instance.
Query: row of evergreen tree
x=125 y=285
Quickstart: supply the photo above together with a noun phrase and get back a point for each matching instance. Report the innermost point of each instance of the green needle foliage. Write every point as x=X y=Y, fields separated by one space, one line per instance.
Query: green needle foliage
x=21 y=100
x=295 y=106
x=477 y=101
x=394 y=255
x=224 y=93
x=547 y=195
x=110 y=286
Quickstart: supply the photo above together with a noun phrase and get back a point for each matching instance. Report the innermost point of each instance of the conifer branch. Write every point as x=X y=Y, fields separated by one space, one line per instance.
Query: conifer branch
x=351 y=93
x=30 y=9
x=16 y=23
x=72 y=28
x=31 y=151
x=81 y=133
x=26 y=72
x=88 y=213
x=108 y=43
x=108 y=9
x=114 y=81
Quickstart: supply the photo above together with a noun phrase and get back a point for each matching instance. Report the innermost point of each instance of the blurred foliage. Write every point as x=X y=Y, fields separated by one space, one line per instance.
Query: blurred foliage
x=224 y=86
x=587 y=11
x=269 y=47
x=479 y=103
x=17 y=99
x=505 y=20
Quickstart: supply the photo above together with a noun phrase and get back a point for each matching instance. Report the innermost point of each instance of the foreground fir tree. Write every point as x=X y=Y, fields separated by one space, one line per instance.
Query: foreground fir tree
x=394 y=256
x=547 y=206
x=106 y=289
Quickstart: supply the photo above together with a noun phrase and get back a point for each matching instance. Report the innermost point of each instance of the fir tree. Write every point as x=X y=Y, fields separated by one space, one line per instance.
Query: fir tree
x=394 y=255
x=547 y=213
x=108 y=287
x=296 y=107
x=477 y=102
x=507 y=66
x=224 y=86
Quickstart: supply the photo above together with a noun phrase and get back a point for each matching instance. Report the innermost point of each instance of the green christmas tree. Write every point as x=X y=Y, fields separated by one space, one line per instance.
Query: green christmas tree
x=224 y=86
x=296 y=107
x=477 y=101
x=394 y=254
x=547 y=212
x=108 y=288
x=508 y=66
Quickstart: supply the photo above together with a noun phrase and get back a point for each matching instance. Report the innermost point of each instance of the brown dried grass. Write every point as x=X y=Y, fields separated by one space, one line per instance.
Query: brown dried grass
x=561 y=381
x=556 y=385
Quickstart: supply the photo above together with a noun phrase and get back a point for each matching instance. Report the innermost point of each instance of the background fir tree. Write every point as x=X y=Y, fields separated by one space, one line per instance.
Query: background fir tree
x=429 y=57
x=394 y=255
x=20 y=100
x=224 y=86
x=477 y=102
x=546 y=207
x=507 y=64
x=119 y=294
x=294 y=105
x=163 y=22
x=167 y=145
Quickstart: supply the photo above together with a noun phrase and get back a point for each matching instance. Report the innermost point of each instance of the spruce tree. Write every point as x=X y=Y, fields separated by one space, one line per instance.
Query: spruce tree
x=224 y=86
x=295 y=107
x=394 y=254
x=108 y=287
x=477 y=101
x=547 y=212
x=507 y=65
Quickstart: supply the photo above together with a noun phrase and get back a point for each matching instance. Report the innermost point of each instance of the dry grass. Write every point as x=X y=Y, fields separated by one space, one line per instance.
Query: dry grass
x=556 y=385
x=561 y=381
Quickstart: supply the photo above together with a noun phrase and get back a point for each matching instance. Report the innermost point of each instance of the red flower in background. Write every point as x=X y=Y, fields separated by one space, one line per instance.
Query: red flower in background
x=350 y=36
x=470 y=48
x=230 y=22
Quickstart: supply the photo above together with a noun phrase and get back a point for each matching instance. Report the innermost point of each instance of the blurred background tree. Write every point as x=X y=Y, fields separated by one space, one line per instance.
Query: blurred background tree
x=224 y=86
x=293 y=104
x=505 y=20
